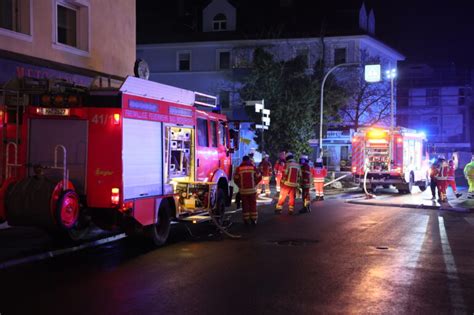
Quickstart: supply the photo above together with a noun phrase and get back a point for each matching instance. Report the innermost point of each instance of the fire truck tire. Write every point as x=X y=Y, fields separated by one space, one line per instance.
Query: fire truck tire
x=411 y=183
x=158 y=233
x=67 y=210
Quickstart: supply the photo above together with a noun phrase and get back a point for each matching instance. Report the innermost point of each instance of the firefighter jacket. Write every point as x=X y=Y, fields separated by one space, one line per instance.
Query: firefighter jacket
x=291 y=174
x=279 y=167
x=443 y=171
x=265 y=168
x=469 y=171
x=319 y=173
x=451 y=172
x=247 y=177
x=306 y=176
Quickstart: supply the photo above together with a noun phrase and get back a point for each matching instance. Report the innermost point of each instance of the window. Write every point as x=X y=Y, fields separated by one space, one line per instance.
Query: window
x=213 y=133
x=203 y=136
x=223 y=60
x=339 y=56
x=184 y=61
x=224 y=99
x=72 y=25
x=67 y=26
x=222 y=134
x=15 y=16
x=219 y=22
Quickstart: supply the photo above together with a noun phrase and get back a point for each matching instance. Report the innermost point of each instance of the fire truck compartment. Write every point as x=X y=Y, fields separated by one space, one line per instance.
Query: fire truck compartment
x=45 y=135
x=142 y=157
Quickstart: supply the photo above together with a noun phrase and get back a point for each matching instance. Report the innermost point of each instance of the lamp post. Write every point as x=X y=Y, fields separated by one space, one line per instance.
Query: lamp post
x=391 y=75
x=322 y=104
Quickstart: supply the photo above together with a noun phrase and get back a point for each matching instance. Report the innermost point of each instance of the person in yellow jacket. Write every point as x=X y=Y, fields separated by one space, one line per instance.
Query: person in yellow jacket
x=469 y=174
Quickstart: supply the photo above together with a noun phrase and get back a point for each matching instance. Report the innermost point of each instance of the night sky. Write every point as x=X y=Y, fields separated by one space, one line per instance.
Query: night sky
x=433 y=31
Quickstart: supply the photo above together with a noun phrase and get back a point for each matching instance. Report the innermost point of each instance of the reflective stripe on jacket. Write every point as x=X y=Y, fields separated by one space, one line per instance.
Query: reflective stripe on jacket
x=443 y=173
x=292 y=174
x=319 y=173
x=306 y=177
x=247 y=177
x=265 y=167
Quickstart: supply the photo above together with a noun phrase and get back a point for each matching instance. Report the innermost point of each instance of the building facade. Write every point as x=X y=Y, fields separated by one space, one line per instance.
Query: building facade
x=437 y=100
x=74 y=40
x=217 y=54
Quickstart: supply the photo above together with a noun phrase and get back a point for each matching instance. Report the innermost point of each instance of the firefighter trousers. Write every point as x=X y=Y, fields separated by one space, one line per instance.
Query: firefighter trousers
x=287 y=191
x=249 y=207
x=442 y=186
x=278 y=182
x=264 y=186
x=306 y=197
x=470 y=181
x=319 y=188
x=452 y=184
x=433 y=185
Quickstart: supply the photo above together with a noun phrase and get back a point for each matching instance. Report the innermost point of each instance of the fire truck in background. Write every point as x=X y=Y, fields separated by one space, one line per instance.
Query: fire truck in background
x=134 y=157
x=395 y=158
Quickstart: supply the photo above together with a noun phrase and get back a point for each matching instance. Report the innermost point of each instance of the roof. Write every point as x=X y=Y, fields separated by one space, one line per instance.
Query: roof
x=181 y=20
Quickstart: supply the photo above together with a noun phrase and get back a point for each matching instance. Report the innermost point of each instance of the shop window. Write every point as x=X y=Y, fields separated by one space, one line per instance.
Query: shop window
x=203 y=135
x=15 y=16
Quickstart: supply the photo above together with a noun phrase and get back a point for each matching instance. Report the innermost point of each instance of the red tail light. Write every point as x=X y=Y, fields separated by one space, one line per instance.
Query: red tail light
x=354 y=169
x=115 y=196
x=116 y=119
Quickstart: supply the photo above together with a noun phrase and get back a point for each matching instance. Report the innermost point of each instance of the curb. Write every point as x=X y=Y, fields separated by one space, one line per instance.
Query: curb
x=413 y=206
x=59 y=252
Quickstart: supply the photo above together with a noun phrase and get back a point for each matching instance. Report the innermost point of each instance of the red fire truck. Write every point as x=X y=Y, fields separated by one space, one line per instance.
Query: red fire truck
x=134 y=157
x=390 y=159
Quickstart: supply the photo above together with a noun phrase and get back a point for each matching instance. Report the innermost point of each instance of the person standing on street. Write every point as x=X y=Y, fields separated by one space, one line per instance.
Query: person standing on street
x=265 y=168
x=289 y=184
x=279 y=168
x=306 y=180
x=319 y=173
x=452 y=179
x=469 y=174
x=442 y=180
x=433 y=173
x=247 y=177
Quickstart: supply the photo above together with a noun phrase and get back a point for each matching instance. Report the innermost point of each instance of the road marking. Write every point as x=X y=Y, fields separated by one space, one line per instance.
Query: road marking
x=455 y=291
x=55 y=253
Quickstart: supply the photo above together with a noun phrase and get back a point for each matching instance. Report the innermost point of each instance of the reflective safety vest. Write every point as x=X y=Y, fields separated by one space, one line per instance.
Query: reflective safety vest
x=469 y=171
x=279 y=168
x=443 y=172
x=292 y=174
x=451 y=172
x=306 y=176
x=319 y=173
x=247 y=177
x=265 y=167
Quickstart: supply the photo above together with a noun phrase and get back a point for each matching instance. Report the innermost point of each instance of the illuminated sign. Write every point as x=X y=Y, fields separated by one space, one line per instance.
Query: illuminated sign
x=141 y=105
x=372 y=73
x=181 y=111
x=377 y=133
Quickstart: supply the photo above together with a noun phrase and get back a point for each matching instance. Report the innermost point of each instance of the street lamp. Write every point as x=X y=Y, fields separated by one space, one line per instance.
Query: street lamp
x=322 y=97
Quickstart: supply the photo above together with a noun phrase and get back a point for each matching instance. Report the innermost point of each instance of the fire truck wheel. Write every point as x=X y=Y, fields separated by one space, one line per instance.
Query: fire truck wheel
x=219 y=209
x=411 y=183
x=67 y=210
x=422 y=187
x=158 y=232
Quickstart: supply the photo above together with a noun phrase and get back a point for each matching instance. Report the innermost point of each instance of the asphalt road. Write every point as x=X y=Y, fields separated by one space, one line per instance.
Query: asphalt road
x=340 y=258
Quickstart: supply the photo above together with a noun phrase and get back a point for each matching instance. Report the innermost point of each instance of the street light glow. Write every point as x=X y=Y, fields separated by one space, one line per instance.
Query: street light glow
x=391 y=74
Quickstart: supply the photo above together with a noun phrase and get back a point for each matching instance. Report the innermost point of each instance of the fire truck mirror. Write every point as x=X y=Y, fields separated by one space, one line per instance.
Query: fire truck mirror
x=234 y=137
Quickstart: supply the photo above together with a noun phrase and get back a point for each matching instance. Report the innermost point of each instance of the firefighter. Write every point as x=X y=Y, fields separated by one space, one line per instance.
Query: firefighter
x=265 y=168
x=305 y=184
x=319 y=172
x=289 y=184
x=247 y=177
x=433 y=173
x=279 y=168
x=251 y=154
x=451 y=178
x=442 y=180
x=469 y=174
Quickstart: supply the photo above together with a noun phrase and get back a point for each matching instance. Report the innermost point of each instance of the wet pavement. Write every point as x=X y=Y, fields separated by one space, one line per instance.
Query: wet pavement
x=341 y=258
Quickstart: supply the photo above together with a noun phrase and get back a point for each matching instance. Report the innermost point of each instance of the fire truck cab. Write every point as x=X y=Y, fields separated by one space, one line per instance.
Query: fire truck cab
x=131 y=157
x=390 y=159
